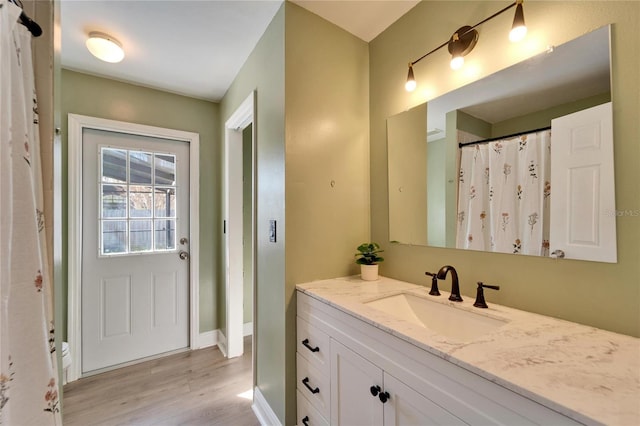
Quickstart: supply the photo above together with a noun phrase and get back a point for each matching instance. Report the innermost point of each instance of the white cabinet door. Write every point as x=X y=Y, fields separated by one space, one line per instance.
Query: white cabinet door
x=583 y=219
x=352 y=377
x=407 y=407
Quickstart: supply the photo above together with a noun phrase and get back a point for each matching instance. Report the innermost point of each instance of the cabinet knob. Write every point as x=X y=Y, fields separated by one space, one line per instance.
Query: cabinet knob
x=384 y=397
x=375 y=390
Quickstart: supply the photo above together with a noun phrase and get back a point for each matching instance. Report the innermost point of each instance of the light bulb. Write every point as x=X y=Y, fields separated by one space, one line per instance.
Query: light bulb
x=105 y=47
x=457 y=62
x=517 y=34
x=410 y=85
x=518 y=29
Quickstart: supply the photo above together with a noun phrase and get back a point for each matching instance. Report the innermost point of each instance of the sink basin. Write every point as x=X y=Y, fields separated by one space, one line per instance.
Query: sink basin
x=445 y=320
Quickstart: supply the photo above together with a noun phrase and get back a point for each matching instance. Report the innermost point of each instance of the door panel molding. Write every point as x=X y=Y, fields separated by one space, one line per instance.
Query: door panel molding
x=77 y=123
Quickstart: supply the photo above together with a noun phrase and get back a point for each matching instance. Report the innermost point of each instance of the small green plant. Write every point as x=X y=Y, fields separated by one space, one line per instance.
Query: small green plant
x=368 y=254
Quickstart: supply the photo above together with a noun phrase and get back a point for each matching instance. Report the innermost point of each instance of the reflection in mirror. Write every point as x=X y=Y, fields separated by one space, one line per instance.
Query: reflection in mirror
x=424 y=151
x=408 y=184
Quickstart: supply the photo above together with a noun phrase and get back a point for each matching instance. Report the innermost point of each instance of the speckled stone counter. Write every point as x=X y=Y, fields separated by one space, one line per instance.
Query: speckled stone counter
x=588 y=374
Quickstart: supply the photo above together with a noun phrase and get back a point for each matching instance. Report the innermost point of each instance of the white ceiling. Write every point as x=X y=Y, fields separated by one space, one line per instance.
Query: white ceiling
x=196 y=48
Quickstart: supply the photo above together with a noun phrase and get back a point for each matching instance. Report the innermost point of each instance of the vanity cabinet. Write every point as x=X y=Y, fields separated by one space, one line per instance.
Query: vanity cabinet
x=388 y=401
x=356 y=362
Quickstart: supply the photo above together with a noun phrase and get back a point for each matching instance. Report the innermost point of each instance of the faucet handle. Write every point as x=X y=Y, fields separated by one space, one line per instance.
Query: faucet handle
x=480 y=302
x=434 y=284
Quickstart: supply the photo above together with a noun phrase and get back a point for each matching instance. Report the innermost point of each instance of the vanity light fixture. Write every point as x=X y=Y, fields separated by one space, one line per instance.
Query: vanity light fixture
x=461 y=42
x=518 y=29
x=465 y=38
x=105 y=47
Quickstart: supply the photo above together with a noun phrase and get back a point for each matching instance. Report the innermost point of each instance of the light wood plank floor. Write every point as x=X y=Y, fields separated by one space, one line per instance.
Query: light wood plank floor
x=191 y=388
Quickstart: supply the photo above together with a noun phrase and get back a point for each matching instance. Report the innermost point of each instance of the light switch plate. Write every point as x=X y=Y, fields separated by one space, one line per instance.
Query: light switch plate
x=272 y=231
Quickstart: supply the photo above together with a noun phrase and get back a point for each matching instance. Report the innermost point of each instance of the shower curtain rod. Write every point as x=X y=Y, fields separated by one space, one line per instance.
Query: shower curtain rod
x=460 y=145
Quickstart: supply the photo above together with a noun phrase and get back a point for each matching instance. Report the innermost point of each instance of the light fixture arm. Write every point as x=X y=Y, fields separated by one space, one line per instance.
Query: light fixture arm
x=429 y=53
x=469 y=30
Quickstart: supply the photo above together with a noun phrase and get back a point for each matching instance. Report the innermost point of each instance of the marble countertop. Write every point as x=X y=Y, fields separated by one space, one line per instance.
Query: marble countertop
x=588 y=374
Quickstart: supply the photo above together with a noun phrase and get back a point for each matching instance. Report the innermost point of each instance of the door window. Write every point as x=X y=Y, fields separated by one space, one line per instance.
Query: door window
x=137 y=202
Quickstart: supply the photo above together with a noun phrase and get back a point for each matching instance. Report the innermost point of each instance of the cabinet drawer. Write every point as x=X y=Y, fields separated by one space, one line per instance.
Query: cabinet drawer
x=313 y=345
x=314 y=385
x=307 y=413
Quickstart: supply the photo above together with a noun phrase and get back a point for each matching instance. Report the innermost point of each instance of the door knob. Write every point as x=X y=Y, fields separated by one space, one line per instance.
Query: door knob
x=183 y=255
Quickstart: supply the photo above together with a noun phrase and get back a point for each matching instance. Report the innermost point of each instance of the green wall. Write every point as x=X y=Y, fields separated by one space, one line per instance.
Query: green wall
x=327 y=160
x=598 y=294
x=264 y=72
x=320 y=130
x=99 y=97
x=543 y=118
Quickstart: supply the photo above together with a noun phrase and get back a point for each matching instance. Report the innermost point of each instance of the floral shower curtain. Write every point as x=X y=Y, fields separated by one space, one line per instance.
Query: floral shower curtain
x=28 y=369
x=503 y=196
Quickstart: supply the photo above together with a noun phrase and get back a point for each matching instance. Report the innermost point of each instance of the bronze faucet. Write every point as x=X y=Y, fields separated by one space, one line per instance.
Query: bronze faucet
x=434 y=284
x=480 y=302
x=455 y=288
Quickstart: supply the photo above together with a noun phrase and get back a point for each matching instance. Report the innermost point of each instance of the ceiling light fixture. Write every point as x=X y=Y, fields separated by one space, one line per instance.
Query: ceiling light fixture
x=465 y=38
x=105 y=47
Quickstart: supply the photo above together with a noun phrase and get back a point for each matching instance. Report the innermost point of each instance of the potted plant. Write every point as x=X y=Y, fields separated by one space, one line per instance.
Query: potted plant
x=368 y=259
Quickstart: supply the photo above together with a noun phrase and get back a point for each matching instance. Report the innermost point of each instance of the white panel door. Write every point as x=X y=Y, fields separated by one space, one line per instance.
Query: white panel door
x=352 y=377
x=583 y=219
x=135 y=203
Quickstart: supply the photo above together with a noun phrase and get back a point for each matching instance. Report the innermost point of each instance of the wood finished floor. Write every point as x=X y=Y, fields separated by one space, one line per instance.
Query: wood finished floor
x=191 y=388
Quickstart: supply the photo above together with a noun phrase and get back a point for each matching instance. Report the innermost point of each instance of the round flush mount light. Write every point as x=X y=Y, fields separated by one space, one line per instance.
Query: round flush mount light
x=105 y=47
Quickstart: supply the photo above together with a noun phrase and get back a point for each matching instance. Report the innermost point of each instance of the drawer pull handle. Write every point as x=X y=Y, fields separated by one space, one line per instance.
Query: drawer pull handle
x=305 y=382
x=384 y=397
x=305 y=342
x=375 y=390
x=305 y=421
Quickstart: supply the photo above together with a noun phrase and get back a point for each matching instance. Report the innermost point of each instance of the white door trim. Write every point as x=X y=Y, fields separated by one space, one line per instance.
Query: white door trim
x=76 y=125
x=239 y=120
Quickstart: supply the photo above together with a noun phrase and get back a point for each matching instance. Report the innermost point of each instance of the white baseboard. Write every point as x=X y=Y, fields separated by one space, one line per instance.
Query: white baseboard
x=263 y=411
x=222 y=343
x=247 y=329
x=217 y=337
x=207 y=339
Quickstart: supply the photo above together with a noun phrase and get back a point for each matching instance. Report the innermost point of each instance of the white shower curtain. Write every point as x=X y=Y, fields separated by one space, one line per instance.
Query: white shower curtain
x=28 y=372
x=503 y=196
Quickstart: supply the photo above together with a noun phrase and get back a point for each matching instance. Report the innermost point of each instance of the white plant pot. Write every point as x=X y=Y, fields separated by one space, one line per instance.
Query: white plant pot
x=369 y=272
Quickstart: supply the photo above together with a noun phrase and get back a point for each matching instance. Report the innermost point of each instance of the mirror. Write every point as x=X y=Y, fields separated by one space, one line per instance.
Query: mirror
x=423 y=143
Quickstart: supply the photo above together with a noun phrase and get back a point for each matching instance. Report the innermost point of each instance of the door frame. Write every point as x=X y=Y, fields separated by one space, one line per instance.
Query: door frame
x=77 y=123
x=232 y=343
